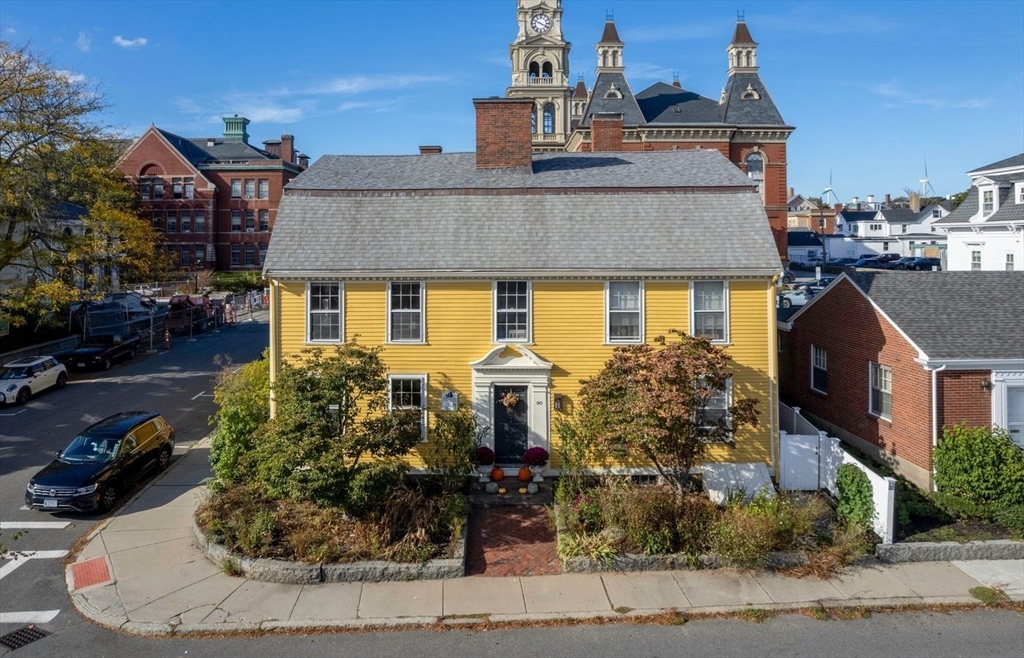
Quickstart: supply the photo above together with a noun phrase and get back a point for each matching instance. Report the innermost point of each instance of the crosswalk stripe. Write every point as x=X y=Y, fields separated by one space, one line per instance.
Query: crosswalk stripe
x=28 y=617
x=33 y=525
x=22 y=558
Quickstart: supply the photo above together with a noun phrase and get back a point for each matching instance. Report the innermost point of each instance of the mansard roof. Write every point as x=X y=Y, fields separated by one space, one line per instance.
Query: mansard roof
x=759 y=111
x=667 y=104
x=600 y=103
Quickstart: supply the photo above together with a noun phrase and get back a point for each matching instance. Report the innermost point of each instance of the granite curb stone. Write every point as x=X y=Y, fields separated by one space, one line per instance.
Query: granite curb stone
x=948 y=551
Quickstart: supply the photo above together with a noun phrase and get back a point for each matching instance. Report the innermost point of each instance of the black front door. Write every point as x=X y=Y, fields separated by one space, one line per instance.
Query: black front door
x=511 y=428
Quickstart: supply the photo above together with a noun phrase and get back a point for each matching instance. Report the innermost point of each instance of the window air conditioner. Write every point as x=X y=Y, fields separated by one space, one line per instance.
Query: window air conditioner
x=248 y=230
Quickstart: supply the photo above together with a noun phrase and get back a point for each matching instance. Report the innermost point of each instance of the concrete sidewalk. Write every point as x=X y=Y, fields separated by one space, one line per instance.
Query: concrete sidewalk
x=141 y=573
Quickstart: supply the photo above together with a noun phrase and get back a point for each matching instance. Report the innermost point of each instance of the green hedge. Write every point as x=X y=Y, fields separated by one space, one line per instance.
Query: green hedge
x=980 y=465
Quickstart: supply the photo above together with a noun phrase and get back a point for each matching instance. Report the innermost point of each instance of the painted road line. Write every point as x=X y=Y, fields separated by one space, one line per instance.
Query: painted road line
x=30 y=617
x=33 y=525
x=15 y=413
x=22 y=558
x=24 y=508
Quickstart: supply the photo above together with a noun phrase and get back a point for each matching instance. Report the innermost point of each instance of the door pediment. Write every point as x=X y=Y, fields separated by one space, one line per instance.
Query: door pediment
x=509 y=359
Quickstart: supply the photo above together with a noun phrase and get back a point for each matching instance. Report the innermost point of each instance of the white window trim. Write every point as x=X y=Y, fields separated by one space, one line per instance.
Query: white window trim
x=529 y=315
x=725 y=304
x=871 y=411
x=813 y=346
x=423 y=399
x=608 y=340
x=728 y=403
x=423 y=313
x=341 y=313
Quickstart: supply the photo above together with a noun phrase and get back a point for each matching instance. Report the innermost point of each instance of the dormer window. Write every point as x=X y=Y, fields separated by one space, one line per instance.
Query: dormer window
x=987 y=201
x=613 y=92
x=1020 y=193
x=750 y=94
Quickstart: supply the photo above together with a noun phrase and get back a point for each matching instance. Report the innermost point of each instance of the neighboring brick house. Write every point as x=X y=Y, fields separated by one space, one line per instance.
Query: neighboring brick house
x=742 y=123
x=885 y=360
x=510 y=271
x=214 y=199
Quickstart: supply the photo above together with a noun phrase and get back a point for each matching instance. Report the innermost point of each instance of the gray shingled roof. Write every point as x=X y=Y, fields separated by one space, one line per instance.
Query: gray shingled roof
x=850 y=216
x=626 y=106
x=953 y=315
x=667 y=104
x=1009 y=211
x=716 y=231
x=687 y=168
x=899 y=215
x=761 y=112
x=1012 y=161
x=197 y=151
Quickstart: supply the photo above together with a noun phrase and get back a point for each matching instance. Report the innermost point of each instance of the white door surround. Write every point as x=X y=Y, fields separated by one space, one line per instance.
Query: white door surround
x=519 y=367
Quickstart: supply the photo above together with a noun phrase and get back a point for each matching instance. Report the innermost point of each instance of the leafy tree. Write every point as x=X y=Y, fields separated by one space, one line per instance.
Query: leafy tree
x=958 y=198
x=53 y=154
x=332 y=431
x=653 y=402
x=243 y=399
x=454 y=440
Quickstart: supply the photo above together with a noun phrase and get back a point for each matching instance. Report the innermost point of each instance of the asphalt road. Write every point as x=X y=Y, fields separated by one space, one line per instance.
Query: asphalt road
x=930 y=635
x=178 y=383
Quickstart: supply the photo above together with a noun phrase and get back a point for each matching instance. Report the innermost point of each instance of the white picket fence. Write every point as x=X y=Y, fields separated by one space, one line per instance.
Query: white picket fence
x=810 y=460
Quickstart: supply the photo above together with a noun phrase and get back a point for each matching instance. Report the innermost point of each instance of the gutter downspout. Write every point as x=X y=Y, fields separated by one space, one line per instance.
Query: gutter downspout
x=935 y=419
x=773 y=376
x=275 y=338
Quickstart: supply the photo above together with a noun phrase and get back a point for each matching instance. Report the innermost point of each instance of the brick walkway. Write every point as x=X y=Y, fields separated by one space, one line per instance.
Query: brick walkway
x=511 y=541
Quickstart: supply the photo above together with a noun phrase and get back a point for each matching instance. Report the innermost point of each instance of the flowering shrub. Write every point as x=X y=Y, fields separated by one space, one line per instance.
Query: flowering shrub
x=535 y=456
x=484 y=456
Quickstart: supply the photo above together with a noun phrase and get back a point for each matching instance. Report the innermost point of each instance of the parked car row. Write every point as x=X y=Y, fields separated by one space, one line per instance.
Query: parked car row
x=889 y=262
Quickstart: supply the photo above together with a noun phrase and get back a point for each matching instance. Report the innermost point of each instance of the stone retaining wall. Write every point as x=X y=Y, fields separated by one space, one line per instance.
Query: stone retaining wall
x=997 y=549
x=302 y=573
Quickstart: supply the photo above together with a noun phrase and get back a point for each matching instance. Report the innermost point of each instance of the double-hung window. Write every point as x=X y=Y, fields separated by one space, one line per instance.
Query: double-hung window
x=200 y=220
x=189 y=188
x=264 y=220
x=624 y=318
x=709 y=316
x=405 y=312
x=512 y=311
x=250 y=254
x=881 y=391
x=250 y=188
x=1009 y=262
x=236 y=220
x=186 y=221
x=409 y=392
x=172 y=221
x=145 y=189
x=819 y=369
x=717 y=408
x=236 y=254
x=324 y=316
x=176 y=188
x=264 y=189
x=250 y=220
x=236 y=188
x=976 y=261
x=987 y=201
x=158 y=188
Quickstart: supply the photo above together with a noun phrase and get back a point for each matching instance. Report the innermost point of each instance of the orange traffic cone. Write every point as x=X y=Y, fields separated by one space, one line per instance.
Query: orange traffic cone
x=167 y=339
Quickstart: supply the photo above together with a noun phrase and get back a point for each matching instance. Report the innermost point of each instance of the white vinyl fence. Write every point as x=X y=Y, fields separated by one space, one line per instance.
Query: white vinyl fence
x=810 y=461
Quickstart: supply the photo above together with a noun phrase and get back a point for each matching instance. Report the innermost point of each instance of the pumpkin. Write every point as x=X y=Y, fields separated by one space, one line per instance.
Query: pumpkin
x=497 y=475
x=524 y=474
x=522 y=490
x=492 y=487
x=503 y=491
x=532 y=488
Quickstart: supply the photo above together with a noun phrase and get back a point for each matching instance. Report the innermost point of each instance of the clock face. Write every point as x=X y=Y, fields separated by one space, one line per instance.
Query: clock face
x=540 y=23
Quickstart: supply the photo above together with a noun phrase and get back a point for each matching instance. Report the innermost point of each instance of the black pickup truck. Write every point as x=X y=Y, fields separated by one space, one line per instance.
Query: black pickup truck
x=100 y=350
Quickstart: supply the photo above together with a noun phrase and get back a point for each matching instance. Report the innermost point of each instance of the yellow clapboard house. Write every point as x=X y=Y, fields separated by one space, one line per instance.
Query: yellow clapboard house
x=507 y=273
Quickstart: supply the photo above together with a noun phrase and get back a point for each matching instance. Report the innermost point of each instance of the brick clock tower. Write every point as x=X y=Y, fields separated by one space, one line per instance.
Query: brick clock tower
x=540 y=71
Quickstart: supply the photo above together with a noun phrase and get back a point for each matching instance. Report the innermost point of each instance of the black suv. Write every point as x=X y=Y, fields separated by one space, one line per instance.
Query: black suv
x=101 y=462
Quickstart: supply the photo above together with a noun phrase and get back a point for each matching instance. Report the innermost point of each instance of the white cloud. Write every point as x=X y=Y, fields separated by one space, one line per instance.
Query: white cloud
x=84 y=42
x=649 y=71
x=137 y=42
x=73 y=78
x=899 y=97
x=363 y=84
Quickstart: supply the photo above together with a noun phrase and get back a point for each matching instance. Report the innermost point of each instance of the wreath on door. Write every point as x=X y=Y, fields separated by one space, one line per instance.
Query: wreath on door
x=509 y=400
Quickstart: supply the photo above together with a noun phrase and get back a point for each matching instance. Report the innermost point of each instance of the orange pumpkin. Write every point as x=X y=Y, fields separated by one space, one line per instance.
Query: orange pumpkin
x=525 y=475
x=497 y=475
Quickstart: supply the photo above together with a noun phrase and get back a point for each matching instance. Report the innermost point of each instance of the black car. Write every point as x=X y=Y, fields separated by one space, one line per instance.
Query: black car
x=899 y=264
x=869 y=262
x=101 y=462
x=922 y=263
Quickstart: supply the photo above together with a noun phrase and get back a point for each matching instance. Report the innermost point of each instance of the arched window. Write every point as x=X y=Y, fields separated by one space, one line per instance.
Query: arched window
x=755 y=169
x=546 y=71
x=533 y=120
x=534 y=70
x=615 y=58
x=549 y=118
x=604 y=58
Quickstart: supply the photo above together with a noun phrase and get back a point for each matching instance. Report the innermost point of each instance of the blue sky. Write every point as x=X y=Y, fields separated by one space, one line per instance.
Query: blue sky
x=874 y=89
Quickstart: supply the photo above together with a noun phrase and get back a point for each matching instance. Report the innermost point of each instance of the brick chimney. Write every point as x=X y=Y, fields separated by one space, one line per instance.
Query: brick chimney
x=836 y=209
x=503 y=137
x=430 y=150
x=303 y=161
x=273 y=146
x=888 y=200
x=606 y=132
x=288 y=148
x=675 y=81
x=915 y=202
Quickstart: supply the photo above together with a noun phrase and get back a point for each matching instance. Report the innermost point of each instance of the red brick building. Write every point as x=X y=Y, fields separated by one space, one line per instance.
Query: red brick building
x=743 y=123
x=885 y=360
x=214 y=199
